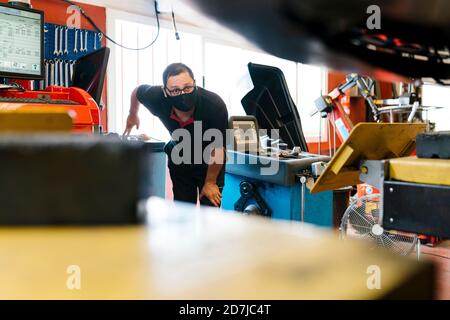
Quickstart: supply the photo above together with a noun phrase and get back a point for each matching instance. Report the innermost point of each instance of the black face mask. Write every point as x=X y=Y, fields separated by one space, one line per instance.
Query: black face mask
x=184 y=102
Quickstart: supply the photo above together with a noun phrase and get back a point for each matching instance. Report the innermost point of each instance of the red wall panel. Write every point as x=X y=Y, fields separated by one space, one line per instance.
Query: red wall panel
x=55 y=11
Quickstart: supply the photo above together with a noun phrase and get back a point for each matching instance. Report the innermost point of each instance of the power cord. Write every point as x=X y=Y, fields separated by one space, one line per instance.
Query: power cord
x=436 y=255
x=177 y=36
x=89 y=19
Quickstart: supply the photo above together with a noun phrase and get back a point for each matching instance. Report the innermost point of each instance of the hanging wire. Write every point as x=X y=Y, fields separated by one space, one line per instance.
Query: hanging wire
x=89 y=19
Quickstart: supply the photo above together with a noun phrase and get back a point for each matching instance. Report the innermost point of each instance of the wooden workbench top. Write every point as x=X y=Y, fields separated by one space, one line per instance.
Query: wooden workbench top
x=185 y=252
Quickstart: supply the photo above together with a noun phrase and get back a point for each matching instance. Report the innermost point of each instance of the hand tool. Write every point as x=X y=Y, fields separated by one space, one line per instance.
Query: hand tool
x=81 y=41
x=66 y=73
x=66 y=47
x=86 y=41
x=61 y=35
x=72 y=63
x=46 y=73
x=75 y=46
x=56 y=73
x=55 y=51
x=52 y=72
x=61 y=72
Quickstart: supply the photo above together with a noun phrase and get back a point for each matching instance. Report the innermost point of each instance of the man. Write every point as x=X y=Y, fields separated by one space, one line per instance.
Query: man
x=181 y=105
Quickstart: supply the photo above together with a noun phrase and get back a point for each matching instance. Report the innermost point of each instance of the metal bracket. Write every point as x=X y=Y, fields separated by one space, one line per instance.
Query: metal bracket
x=374 y=172
x=317 y=168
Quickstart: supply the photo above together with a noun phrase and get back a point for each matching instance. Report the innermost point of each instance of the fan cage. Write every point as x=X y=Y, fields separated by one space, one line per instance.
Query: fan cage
x=362 y=221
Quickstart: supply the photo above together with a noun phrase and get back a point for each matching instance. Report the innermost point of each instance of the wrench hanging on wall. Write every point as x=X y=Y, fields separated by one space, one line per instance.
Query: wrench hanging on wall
x=72 y=64
x=66 y=73
x=46 y=73
x=66 y=47
x=56 y=73
x=81 y=41
x=86 y=41
x=55 y=51
x=61 y=72
x=52 y=73
x=75 y=45
x=61 y=35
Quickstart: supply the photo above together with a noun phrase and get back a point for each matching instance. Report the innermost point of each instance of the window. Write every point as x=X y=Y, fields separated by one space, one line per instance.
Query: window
x=311 y=85
x=218 y=67
x=226 y=74
x=133 y=68
x=437 y=96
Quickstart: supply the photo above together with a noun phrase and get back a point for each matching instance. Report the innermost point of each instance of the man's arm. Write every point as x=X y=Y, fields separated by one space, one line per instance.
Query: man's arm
x=218 y=156
x=132 y=119
x=210 y=188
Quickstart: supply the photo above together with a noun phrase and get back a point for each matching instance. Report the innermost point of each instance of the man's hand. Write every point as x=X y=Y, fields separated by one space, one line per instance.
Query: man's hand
x=212 y=192
x=132 y=120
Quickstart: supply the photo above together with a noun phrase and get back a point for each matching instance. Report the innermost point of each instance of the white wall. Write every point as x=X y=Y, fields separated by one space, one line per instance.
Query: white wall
x=143 y=7
x=438 y=96
x=187 y=17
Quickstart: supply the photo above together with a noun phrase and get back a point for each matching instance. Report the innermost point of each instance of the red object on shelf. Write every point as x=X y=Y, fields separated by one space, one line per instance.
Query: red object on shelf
x=26 y=84
x=85 y=114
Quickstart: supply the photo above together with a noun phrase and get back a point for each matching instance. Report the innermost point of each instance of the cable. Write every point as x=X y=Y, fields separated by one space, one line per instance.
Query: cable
x=110 y=39
x=177 y=36
x=436 y=255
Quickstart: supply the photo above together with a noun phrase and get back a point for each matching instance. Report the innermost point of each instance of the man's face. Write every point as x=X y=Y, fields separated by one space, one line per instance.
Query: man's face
x=180 y=84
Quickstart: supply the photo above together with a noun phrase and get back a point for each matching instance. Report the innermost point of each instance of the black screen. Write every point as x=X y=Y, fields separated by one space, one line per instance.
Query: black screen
x=272 y=105
x=90 y=71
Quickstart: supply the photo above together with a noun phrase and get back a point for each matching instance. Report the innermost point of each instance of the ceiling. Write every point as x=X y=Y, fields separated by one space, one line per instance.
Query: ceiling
x=413 y=41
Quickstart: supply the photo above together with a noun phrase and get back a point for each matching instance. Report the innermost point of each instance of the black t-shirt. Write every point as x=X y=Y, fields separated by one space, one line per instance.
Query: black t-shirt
x=210 y=111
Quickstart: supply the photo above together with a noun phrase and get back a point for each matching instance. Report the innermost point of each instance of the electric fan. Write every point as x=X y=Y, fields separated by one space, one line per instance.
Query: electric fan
x=362 y=220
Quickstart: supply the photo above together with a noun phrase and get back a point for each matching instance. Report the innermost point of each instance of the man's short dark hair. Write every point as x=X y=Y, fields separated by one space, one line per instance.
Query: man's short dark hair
x=175 y=69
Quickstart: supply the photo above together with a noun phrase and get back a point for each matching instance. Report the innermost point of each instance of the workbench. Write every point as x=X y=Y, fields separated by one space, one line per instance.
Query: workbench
x=188 y=252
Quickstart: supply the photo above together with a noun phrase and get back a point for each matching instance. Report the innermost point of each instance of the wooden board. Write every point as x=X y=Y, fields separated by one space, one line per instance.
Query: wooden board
x=190 y=253
x=367 y=141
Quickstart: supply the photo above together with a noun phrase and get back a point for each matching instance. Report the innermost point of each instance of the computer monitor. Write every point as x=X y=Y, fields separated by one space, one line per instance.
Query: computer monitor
x=245 y=133
x=89 y=73
x=271 y=104
x=21 y=42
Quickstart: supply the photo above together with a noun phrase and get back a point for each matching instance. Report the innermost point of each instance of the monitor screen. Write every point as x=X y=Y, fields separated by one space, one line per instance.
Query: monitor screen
x=89 y=73
x=245 y=134
x=21 y=42
x=271 y=104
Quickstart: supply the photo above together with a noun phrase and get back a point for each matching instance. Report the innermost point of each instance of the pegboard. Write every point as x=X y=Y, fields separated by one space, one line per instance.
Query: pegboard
x=61 y=35
x=63 y=46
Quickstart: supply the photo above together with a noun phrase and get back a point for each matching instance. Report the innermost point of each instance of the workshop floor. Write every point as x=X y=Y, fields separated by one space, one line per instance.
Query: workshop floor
x=440 y=254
